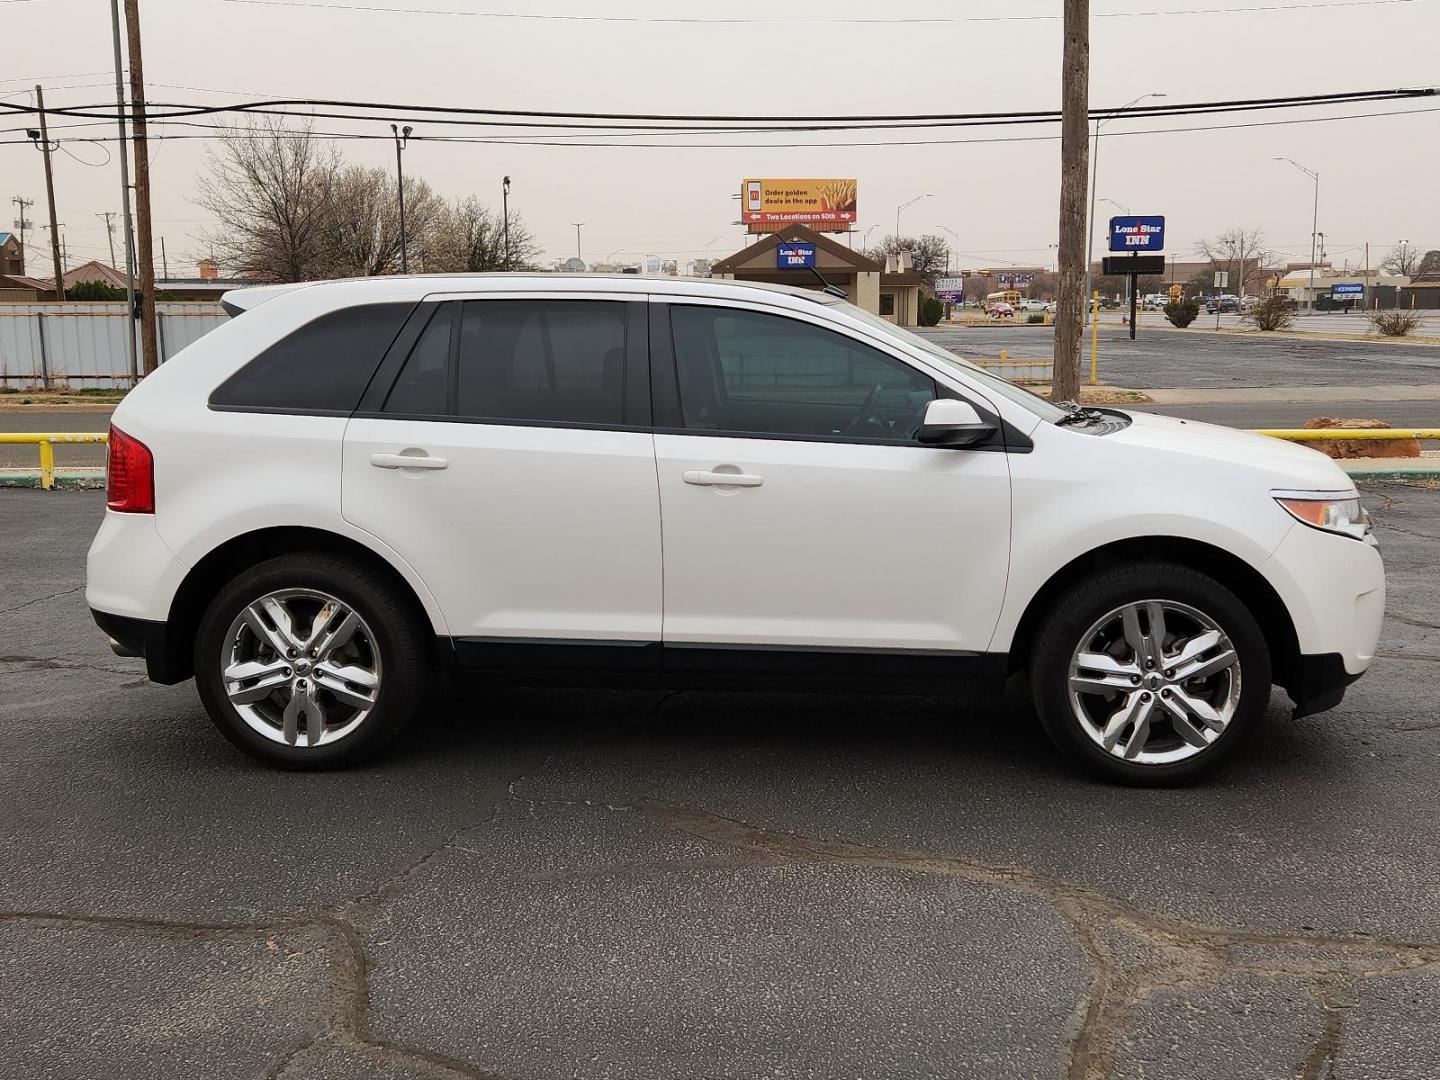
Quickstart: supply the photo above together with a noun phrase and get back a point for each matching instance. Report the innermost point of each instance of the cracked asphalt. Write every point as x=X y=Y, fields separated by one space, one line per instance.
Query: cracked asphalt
x=549 y=884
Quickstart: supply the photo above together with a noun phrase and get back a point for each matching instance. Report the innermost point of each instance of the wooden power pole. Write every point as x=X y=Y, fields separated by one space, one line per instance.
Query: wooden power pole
x=1074 y=160
x=144 y=241
x=50 y=197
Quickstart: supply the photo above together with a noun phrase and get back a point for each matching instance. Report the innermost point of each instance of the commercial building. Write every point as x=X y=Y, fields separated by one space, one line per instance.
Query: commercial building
x=799 y=256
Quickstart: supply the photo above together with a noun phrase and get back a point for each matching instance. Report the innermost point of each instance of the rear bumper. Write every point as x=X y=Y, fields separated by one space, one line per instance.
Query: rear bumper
x=129 y=636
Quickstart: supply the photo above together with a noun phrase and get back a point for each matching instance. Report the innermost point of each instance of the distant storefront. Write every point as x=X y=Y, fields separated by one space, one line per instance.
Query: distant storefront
x=795 y=256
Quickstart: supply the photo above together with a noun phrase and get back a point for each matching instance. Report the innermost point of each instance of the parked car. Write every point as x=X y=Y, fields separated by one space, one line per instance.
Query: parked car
x=1000 y=310
x=1156 y=301
x=1028 y=304
x=1225 y=304
x=354 y=488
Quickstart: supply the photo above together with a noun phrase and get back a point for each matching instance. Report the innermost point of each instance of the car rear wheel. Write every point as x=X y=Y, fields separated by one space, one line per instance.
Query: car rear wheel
x=310 y=661
x=1151 y=674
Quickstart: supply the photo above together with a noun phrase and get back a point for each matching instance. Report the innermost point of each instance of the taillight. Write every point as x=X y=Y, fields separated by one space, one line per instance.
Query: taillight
x=130 y=485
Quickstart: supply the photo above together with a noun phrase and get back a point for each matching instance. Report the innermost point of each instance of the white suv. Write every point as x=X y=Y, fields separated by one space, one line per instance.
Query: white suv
x=353 y=486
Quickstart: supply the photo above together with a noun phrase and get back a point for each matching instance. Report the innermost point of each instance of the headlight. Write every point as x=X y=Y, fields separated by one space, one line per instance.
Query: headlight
x=1334 y=511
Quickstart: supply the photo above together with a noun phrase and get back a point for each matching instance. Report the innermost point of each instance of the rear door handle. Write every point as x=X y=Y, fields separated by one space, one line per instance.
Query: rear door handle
x=407 y=461
x=703 y=478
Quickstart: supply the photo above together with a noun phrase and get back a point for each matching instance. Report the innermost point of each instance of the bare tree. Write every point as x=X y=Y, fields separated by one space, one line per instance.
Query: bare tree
x=1241 y=253
x=1404 y=259
x=468 y=237
x=270 y=190
x=362 y=232
x=928 y=254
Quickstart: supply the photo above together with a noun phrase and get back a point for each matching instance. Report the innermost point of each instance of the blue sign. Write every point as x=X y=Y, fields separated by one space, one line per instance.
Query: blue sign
x=1348 y=292
x=794 y=256
x=1137 y=234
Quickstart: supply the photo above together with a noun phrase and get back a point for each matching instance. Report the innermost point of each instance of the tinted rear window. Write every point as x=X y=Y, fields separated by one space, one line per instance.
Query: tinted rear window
x=321 y=367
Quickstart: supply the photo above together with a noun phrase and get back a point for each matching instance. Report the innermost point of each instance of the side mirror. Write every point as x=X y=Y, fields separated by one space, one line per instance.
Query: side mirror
x=953 y=424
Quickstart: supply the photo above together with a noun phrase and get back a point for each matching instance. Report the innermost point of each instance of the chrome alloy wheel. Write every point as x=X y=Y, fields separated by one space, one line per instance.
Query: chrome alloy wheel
x=300 y=660
x=1154 y=682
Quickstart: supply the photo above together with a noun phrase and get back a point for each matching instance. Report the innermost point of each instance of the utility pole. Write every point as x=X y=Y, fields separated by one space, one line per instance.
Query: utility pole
x=164 y=260
x=145 y=255
x=109 y=216
x=124 y=190
x=22 y=222
x=401 y=138
x=1075 y=110
x=505 y=202
x=577 y=225
x=50 y=196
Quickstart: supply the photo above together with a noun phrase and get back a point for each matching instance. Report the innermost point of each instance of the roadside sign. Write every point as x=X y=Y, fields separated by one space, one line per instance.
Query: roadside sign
x=950 y=289
x=1176 y=292
x=1222 y=279
x=1137 y=233
x=1347 y=292
x=794 y=256
x=1145 y=265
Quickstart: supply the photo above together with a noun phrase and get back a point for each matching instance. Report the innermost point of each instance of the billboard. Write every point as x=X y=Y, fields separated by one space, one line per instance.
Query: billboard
x=824 y=205
x=1342 y=291
x=1137 y=234
x=794 y=256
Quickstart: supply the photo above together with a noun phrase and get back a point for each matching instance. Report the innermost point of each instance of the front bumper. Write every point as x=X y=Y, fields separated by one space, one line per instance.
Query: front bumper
x=1318 y=683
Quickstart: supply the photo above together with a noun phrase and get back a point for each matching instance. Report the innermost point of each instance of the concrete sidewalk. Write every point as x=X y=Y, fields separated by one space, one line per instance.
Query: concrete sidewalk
x=1267 y=395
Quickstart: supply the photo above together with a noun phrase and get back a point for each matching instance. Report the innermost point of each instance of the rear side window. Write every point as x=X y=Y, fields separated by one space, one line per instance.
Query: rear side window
x=561 y=361
x=322 y=367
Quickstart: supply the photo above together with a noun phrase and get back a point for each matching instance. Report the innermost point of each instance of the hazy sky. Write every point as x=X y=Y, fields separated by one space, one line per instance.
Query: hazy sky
x=1378 y=175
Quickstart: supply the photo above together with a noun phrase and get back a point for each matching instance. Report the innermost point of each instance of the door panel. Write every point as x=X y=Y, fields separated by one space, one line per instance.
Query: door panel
x=525 y=532
x=822 y=542
x=840 y=544
x=498 y=462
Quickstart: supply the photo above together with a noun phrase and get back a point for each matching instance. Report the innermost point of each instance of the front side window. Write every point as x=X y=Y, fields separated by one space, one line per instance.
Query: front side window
x=743 y=371
x=322 y=367
x=560 y=361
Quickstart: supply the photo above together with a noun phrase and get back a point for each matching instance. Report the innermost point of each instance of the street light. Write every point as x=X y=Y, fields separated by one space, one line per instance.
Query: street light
x=956 y=235
x=1094 y=177
x=1314 y=227
x=866 y=242
x=1054 y=258
x=1404 y=244
x=1122 y=209
x=505 y=203
x=401 y=138
x=577 y=225
x=902 y=206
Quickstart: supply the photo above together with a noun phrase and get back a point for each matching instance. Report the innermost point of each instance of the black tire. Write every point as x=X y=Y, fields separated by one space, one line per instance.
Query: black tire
x=399 y=633
x=1090 y=600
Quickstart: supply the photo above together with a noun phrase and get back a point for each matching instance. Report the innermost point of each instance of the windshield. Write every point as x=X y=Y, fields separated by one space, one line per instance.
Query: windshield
x=1004 y=387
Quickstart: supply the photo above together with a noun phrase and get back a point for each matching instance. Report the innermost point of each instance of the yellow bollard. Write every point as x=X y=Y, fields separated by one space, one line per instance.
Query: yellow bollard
x=1095 y=338
x=1004 y=354
x=47 y=464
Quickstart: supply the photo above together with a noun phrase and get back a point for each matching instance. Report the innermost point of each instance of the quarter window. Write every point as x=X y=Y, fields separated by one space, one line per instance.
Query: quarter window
x=423 y=387
x=743 y=371
x=561 y=361
x=323 y=367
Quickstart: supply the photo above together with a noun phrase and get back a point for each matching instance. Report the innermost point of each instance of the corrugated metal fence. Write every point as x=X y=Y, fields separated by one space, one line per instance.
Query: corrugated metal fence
x=82 y=344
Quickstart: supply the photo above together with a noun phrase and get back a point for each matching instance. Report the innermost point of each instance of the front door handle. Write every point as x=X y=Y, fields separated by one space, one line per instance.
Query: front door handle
x=407 y=461
x=704 y=478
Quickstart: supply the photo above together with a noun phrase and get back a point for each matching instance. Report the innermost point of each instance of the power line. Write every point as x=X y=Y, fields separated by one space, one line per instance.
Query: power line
x=674 y=20
x=226 y=131
x=439 y=114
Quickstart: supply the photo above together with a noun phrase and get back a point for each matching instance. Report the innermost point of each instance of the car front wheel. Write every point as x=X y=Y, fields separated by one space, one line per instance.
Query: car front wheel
x=310 y=661
x=1150 y=674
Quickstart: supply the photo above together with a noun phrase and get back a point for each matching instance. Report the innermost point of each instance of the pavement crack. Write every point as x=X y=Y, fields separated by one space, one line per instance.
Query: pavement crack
x=1320 y=1063
x=1410 y=620
x=42 y=599
x=1130 y=950
x=343 y=1018
x=62 y=663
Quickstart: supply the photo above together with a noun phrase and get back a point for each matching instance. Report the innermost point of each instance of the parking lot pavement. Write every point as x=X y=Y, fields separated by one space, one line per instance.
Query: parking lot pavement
x=53 y=418
x=549 y=883
x=1194 y=358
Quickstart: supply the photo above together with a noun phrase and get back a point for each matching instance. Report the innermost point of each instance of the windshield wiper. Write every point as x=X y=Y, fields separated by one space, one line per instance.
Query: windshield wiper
x=1075 y=413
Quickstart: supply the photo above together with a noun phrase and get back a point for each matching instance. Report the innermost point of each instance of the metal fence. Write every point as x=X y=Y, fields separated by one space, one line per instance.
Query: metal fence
x=82 y=344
